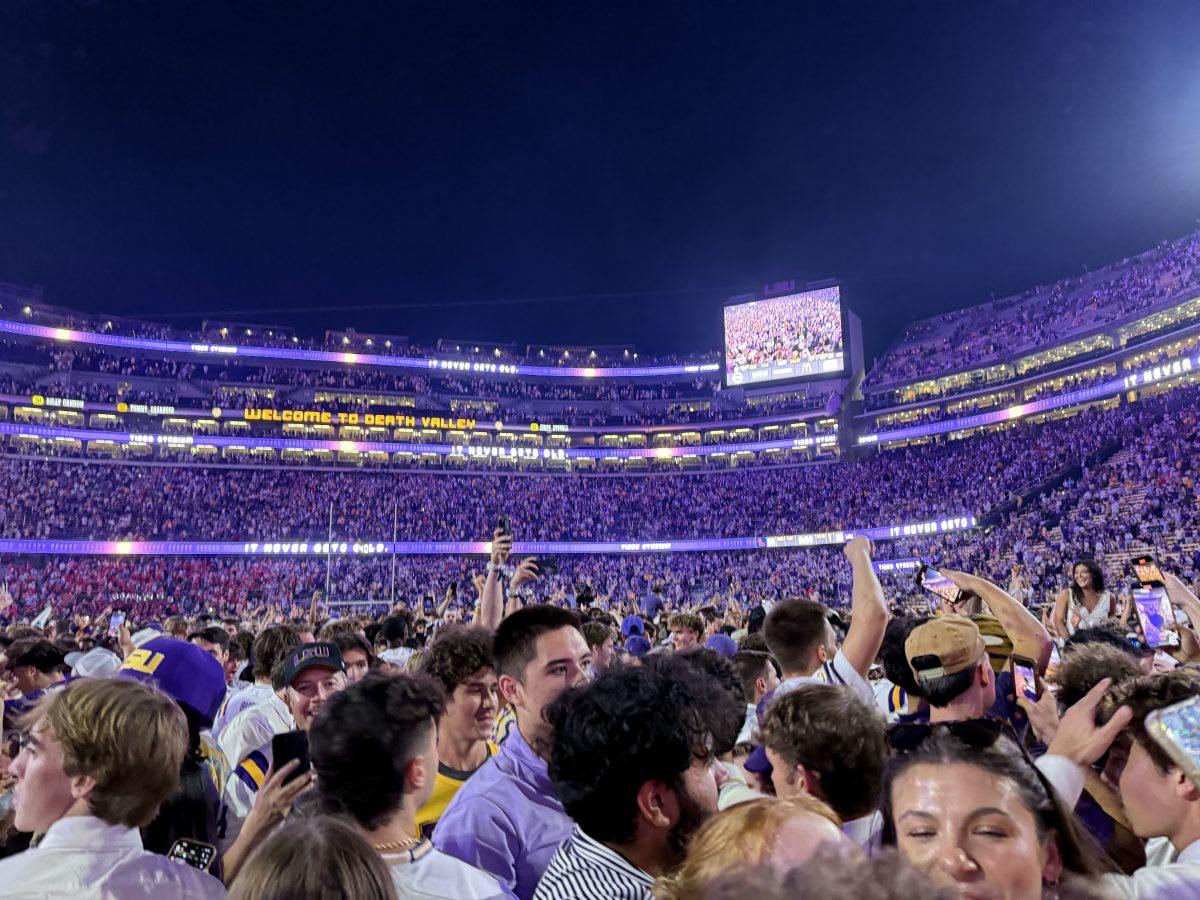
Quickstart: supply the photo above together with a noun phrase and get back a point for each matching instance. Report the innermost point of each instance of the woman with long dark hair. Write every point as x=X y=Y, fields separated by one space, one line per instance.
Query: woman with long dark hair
x=975 y=815
x=1085 y=602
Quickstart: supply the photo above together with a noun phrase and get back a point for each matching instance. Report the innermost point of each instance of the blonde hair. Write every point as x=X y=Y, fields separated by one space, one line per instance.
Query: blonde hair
x=318 y=856
x=128 y=737
x=741 y=836
x=412 y=666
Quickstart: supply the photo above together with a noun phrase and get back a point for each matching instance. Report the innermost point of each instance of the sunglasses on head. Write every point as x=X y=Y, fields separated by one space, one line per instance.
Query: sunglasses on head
x=977 y=733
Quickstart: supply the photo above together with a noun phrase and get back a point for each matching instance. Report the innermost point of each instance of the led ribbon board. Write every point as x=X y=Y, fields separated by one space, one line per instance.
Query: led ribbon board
x=293 y=548
x=469 y=452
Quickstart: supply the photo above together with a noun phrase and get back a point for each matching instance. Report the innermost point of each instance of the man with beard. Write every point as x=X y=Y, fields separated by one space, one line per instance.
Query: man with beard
x=633 y=764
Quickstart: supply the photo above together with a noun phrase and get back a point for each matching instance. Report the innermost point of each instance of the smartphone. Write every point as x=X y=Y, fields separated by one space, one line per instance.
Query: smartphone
x=1176 y=729
x=288 y=746
x=115 y=621
x=547 y=565
x=503 y=525
x=1147 y=572
x=428 y=604
x=937 y=583
x=454 y=589
x=196 y=854
x=1025 y=678
x=1156 y=615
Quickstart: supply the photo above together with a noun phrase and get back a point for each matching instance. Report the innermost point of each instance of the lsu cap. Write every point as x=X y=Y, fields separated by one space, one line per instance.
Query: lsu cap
x=306 y=656
x=945 y=645
x=182 y=671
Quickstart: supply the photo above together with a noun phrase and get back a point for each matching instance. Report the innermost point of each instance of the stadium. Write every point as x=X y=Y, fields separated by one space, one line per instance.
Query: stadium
x=295 y=458
x=599 y=452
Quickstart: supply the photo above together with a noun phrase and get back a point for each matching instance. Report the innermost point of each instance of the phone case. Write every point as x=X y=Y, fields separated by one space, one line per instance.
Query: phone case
x=1177 y=730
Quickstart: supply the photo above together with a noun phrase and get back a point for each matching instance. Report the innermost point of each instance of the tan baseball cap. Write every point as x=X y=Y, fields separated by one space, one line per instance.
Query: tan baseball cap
x=945 y=645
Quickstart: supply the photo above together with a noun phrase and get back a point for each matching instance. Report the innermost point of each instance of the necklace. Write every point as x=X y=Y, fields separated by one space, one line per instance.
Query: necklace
x=396 y=845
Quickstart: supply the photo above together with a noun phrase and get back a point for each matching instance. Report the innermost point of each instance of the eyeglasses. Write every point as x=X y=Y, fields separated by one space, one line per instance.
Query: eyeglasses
x=977 y=733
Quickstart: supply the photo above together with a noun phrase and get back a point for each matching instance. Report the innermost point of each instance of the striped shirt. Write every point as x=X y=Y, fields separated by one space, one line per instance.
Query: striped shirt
x=584 y=869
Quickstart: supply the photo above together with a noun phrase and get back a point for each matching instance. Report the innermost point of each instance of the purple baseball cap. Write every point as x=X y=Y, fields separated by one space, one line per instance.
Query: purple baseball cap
x=723 y=644
x=637 y=645
x=183 y=672
x=632 y=625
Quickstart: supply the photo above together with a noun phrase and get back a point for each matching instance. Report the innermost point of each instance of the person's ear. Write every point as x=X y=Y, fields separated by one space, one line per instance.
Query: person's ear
x=414 y=774
x=657 y=804
x=986 y=675
x=1052 y=868
x=82 y=786
x=760 y=685
x=1184 y=787
x=510 y=689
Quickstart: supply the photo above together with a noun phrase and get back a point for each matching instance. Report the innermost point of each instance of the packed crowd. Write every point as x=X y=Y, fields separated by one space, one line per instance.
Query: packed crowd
x=48 y=499
x=654 y=748
x=1041 y=316
x=783 y=330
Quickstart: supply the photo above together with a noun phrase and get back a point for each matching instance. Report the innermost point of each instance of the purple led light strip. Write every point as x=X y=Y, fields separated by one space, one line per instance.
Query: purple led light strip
x=318 y=549
x=427 y=364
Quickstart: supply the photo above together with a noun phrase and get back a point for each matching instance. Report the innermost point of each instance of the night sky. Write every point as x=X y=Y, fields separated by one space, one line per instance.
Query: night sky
x=578 y=171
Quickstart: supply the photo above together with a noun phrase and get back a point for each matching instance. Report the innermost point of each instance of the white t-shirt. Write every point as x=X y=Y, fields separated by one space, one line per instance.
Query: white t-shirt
x=427 y=873
x=838 y=672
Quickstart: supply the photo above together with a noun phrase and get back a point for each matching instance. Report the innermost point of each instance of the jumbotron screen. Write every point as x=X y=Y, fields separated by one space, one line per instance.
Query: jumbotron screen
x=785 y=338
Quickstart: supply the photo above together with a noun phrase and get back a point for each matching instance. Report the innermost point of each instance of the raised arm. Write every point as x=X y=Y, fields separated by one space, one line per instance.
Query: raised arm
x=868 y=609
x=491 y=596
x=1029 y=637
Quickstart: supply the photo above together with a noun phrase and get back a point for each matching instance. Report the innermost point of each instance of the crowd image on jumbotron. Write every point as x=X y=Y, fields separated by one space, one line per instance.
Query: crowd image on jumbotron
x=782 y=337
x=498 y=452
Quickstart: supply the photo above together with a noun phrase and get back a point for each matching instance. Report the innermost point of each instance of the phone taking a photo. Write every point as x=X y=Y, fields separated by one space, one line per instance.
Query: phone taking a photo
x=546 y=565
x=937 y=583
x=115 y=621
x=1156 y=616
x=288 y=746
x=1025 y=678
x=503 y=525
x=196 y=854
x=1147 y=572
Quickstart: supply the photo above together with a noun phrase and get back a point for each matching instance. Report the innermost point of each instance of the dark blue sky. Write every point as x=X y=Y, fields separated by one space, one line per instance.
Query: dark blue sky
x=177 y=157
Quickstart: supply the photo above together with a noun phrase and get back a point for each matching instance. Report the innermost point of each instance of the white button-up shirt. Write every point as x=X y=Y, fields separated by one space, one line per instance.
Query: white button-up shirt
x=85 y=858
x=1178 y=880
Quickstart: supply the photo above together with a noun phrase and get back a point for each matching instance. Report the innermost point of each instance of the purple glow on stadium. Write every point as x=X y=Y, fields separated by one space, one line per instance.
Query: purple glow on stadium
x=343 y=358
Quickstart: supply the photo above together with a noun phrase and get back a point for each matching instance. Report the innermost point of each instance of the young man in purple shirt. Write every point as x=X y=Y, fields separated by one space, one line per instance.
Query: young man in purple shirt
x=507 y=819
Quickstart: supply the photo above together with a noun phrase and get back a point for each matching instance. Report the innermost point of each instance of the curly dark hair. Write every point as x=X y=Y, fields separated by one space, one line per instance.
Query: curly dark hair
x=364 y=739
x=830 y=732
x=629 y=726
x=457 y=654
x=727 y=707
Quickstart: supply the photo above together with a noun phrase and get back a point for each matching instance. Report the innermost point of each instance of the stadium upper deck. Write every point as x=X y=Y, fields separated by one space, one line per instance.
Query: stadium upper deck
x=73 y=384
